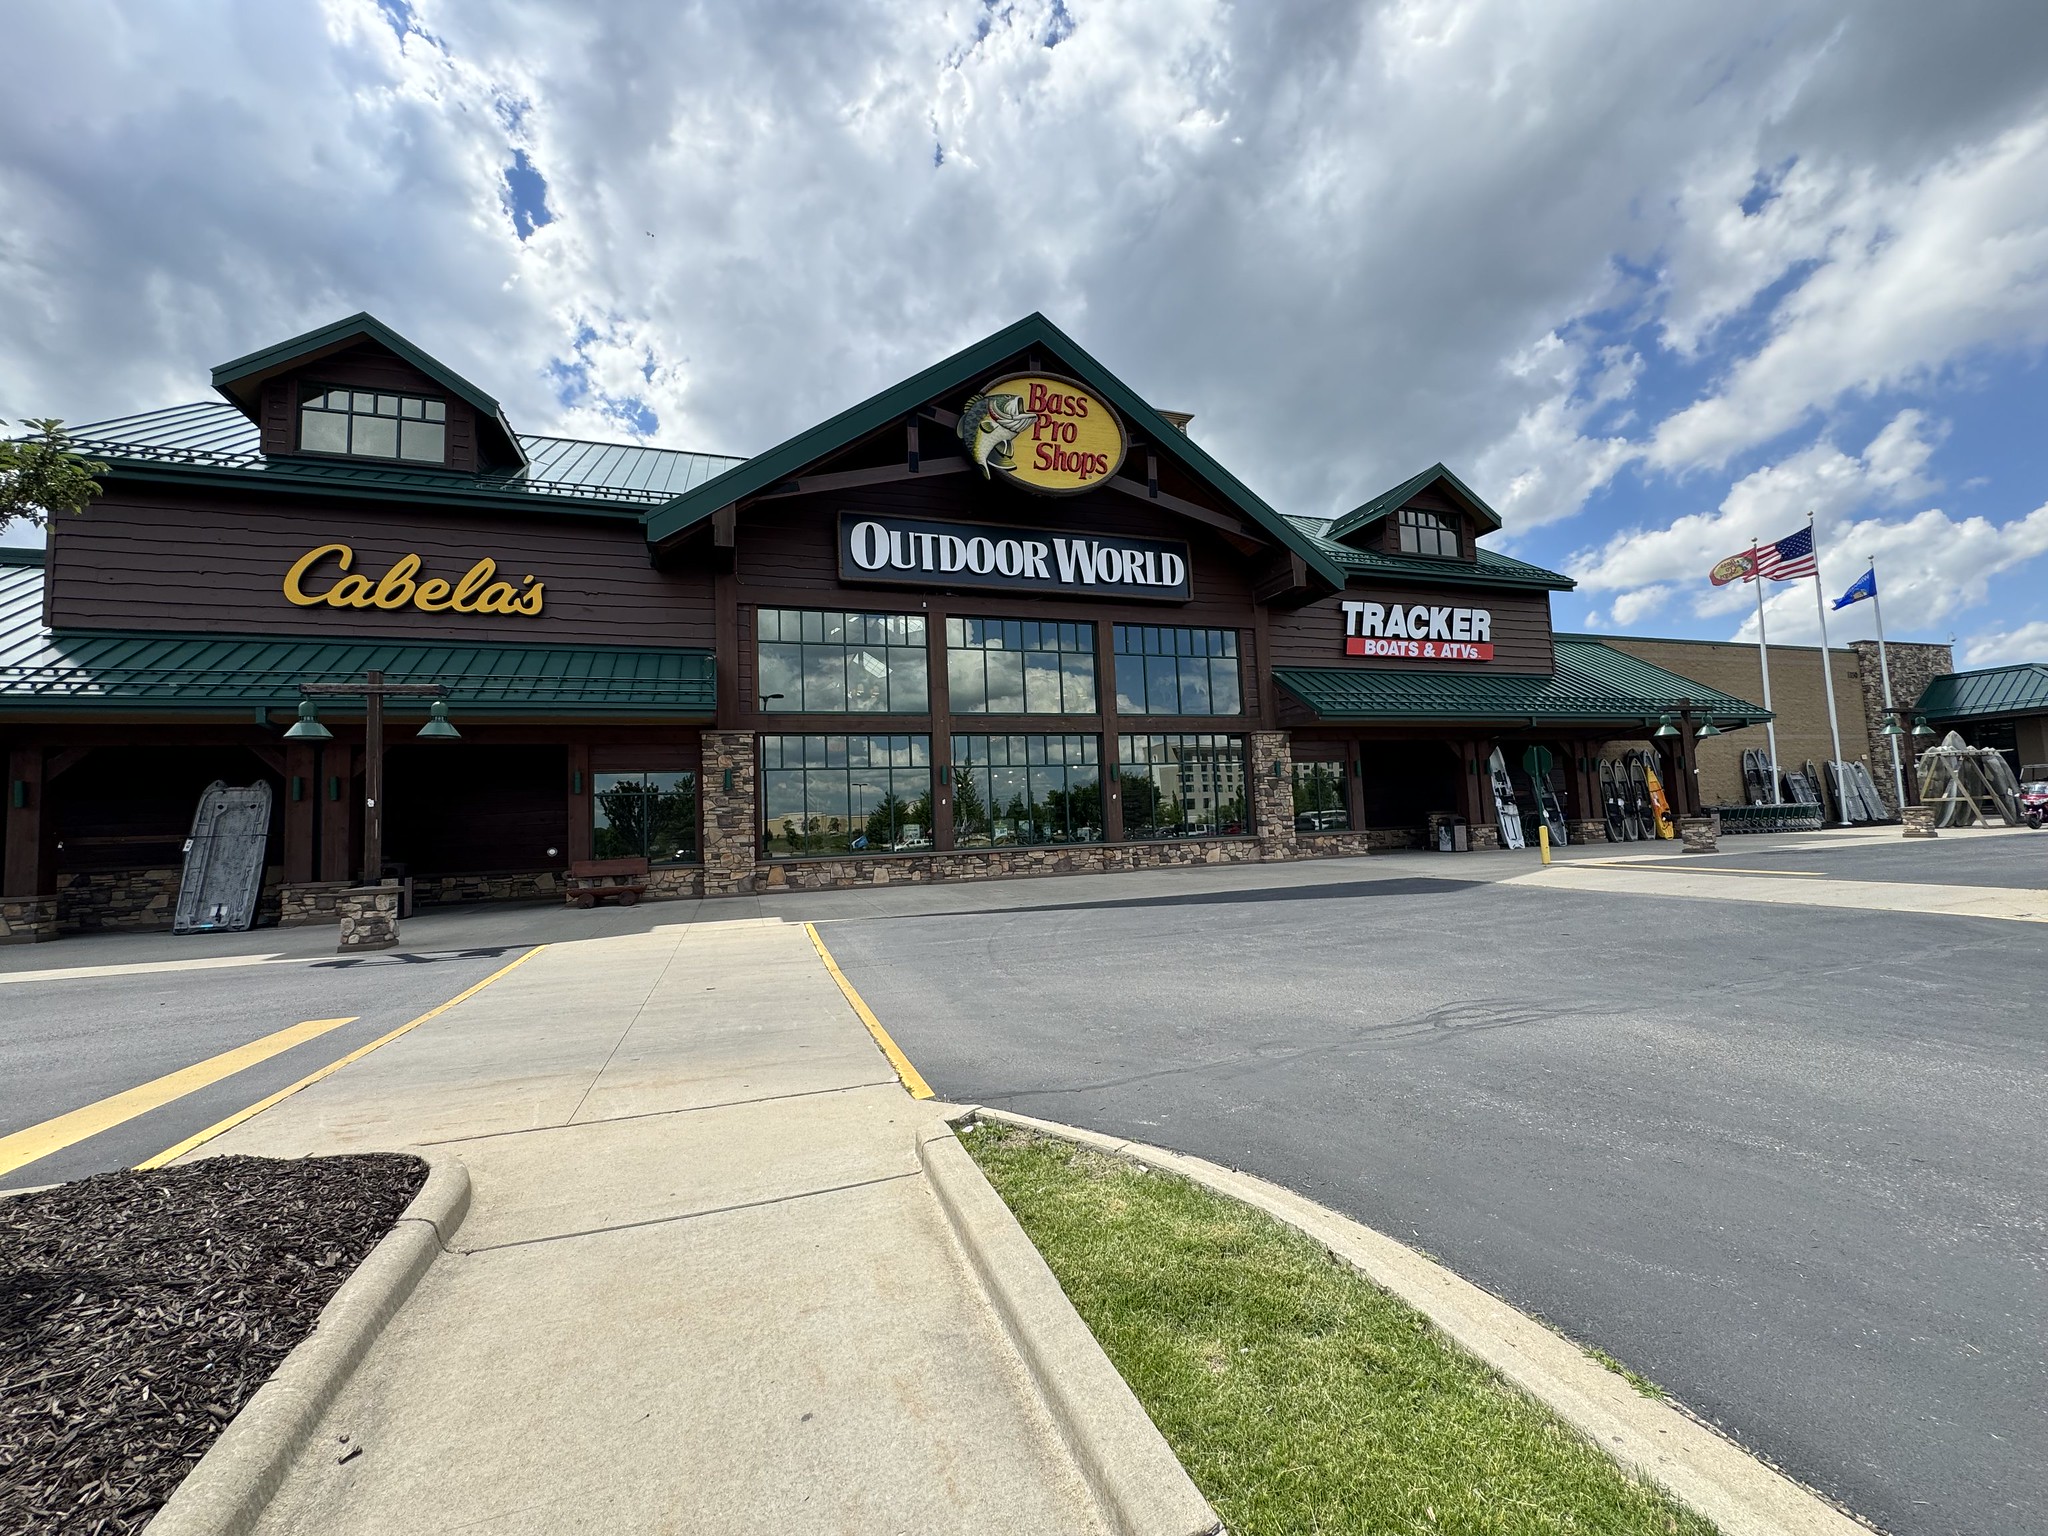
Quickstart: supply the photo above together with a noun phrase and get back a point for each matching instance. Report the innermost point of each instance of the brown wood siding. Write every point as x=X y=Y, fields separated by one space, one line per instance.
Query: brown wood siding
x=787 y=556
x=1313 y=636
x=212 y=562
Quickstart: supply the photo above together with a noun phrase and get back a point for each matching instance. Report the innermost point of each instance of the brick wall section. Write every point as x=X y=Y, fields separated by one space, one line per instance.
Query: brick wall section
x=1272 y=793
x=731 y=839
x=1913 y=666
x=1796 y=697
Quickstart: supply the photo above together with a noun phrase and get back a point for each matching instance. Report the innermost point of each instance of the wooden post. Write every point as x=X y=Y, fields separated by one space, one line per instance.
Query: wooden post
x=1354 y=783
x=939 y=700
x=301 y=803
x=29 y=870
x=1105 y=702
x=337 y=790
x=582 y=795
x=373 y=780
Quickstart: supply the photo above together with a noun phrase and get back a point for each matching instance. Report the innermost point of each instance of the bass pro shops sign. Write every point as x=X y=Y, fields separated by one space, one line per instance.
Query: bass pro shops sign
x=924 y=552
x=1418 y=632
x=1045 y=433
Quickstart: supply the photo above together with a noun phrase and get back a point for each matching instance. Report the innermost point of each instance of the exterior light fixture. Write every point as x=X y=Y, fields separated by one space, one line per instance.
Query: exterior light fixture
x=1892 y=728
x=308 y=727
x=1665 y=728
x=1921 y=727
x=437 y=727
x=1707 y=728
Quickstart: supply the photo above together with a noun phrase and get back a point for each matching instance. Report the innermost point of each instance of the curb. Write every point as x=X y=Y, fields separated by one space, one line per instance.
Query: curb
x=1132 y=1471
x=1715 y=1477
x=227 y=1489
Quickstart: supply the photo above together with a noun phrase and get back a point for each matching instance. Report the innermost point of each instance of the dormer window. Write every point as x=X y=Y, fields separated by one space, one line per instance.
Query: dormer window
x=1424 y=533
x=368 y=424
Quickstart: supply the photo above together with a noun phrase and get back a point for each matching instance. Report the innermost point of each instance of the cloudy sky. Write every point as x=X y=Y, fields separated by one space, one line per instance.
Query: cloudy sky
x=1655 y=279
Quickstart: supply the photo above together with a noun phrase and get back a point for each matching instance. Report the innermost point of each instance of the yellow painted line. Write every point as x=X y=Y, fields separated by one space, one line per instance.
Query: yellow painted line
x=170 y=1154
x=55 y=1135
x=912 y=1078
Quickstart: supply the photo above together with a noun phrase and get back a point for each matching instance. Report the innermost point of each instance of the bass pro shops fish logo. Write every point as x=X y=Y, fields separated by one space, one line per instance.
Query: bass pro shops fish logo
x=990 y=425
x=1042 y=432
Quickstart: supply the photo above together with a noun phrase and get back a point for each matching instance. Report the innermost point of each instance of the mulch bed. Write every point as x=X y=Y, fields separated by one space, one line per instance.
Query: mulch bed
x=140 y=1311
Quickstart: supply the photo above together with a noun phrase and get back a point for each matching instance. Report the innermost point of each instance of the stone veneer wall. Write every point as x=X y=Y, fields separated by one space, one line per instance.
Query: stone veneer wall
x=1272 y=792
x=1001 y=863
x=730 y=834
x=27 y=919
x=139 y=899
x=1914 y=666
x=520 y=885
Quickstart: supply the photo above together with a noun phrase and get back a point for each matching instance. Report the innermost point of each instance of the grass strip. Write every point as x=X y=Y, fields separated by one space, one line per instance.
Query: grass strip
x=1299 y=1396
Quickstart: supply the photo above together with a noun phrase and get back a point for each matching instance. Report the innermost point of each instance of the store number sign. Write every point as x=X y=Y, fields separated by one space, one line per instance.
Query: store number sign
x=1418 y=632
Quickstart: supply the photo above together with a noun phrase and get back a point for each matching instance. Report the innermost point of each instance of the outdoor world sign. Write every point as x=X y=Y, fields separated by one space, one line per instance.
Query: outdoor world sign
x=477 y=590
x=1045 y=433
x=1418 y=632
x=924 y=552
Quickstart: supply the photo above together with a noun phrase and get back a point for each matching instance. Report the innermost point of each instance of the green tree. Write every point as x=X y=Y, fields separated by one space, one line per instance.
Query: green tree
x=42 y=475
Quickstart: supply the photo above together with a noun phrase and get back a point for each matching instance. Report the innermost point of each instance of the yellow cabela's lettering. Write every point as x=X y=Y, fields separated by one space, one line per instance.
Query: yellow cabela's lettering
x=401 y=587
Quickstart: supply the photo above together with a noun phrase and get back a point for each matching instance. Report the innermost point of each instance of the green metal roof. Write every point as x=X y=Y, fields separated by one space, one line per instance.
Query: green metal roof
x=45 y=672
x=2021 y=689
x=1392 y=501
x=234 y=379
x=1488 y=568
x=1593 y=682
x=211 y=440
x=962 y=368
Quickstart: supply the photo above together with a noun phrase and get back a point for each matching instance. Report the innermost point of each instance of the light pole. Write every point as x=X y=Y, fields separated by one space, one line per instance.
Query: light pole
x=373 y=691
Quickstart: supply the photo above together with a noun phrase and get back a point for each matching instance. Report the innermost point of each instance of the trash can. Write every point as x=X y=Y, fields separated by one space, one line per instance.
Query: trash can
x=1449 y=834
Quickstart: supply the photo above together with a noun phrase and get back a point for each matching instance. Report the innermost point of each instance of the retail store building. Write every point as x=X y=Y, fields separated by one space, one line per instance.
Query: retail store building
x=1003 y=617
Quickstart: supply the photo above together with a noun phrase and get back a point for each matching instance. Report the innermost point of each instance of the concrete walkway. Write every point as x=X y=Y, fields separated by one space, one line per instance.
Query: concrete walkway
x=703 y=1286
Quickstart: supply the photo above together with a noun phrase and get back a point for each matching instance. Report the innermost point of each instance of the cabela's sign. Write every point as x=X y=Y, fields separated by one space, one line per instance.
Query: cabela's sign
x=475 y=591
x=1042 y=432
x=923 y=552
x=1418 y=632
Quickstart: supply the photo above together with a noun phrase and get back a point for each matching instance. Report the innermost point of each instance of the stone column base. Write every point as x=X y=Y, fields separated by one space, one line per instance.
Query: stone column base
x=369 y=918
x=1484 y=837
x=27 y=919
x=1917 y=821
x=1700 y=834
x=1586 y=831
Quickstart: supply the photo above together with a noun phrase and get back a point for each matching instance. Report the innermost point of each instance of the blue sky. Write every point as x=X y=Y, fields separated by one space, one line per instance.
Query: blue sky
x=1654 y=280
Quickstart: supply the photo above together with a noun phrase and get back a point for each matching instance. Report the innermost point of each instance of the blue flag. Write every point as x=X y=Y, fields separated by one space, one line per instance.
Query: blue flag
x=1865 y=586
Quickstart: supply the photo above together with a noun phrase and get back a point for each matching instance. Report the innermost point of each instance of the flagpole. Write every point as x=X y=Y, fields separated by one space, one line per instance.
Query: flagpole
x=1884 y=671
x=1827 y=672
x=1763 y=656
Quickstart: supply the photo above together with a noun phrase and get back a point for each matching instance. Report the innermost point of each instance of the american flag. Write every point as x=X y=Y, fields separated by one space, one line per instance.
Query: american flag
x=1789 y=558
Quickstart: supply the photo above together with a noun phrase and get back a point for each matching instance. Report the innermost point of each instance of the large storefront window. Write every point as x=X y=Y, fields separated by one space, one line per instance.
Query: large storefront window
x=1182 y=786
x=841 y=663
x=1020 y=667
x=1320 y=804
x=651 y=816
x=1162 y=670
x=846 y=794
x=1026 y=789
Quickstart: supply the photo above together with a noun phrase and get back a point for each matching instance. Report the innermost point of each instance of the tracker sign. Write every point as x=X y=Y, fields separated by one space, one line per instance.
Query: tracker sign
x=1418 y=632
x=923 y=552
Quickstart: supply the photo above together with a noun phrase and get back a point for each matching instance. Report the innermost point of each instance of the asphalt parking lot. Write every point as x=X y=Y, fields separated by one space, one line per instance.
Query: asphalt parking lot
x=1787 y=1161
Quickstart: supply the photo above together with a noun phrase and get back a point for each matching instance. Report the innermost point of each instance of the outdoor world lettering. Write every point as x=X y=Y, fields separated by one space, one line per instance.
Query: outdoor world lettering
x=399 y=587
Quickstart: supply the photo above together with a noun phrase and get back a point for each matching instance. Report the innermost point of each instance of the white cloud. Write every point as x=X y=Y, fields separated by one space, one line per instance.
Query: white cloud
x=2027 y=642
x=1931 y=565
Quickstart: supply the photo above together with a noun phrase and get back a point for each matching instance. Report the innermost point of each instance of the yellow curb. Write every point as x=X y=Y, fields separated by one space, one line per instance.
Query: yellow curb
x=913 y=1080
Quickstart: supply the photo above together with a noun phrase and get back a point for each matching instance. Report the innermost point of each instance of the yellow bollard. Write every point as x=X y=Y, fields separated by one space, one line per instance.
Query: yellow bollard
x=1543 y=841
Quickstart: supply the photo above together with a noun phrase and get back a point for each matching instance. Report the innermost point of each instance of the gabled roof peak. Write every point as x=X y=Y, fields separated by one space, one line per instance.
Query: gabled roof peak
x=1389 y=502
x=241 y=380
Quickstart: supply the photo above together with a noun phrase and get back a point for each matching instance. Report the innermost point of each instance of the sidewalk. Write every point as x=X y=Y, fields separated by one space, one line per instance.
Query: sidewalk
x=703 y=1285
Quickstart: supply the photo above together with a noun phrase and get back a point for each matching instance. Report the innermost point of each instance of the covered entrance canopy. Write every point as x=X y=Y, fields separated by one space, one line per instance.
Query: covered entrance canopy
x=1596 y=695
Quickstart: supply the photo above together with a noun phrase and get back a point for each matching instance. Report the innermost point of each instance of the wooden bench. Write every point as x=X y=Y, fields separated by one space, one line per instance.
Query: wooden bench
x=595 y=880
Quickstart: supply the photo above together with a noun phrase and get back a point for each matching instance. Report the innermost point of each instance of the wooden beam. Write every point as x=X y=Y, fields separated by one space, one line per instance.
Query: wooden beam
x=1288 y=573
x=910 y=443
x=849 y=479
x=724 y=526
x=1201 y=514
x=60 y=762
